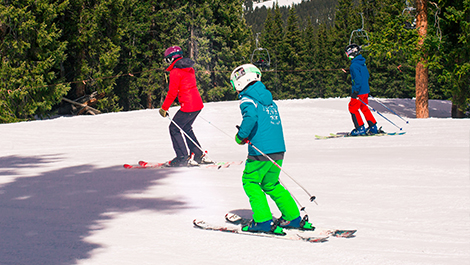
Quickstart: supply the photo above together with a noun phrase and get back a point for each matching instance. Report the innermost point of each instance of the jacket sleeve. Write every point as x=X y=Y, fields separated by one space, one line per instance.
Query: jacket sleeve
x=173 y=90
x=250 y=117
x=355 y=76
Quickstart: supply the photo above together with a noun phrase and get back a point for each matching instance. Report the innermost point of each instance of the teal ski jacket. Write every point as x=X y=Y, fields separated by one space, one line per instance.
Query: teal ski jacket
x=261 y=123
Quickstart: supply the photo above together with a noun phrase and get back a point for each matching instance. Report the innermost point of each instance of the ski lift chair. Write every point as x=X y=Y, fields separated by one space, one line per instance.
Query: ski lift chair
x=360 y=33
x=261 y=59
x=260 y=56
x=410 y=14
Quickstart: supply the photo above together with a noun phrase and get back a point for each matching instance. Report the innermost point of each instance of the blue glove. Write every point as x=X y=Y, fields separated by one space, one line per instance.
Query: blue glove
x=239 y=140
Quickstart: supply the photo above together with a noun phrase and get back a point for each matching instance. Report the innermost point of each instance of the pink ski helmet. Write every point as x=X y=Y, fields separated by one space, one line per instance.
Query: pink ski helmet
x=172 y=53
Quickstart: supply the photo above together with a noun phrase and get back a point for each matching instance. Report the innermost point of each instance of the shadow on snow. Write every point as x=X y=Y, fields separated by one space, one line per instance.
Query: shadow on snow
x=45 y=218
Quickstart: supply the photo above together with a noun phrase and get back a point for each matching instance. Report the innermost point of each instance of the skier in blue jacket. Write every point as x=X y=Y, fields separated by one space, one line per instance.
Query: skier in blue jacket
x=360 y=92
x=261 y=126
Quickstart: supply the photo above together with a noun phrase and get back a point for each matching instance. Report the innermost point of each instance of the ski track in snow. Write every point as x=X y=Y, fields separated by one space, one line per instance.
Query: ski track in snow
x=66 y=199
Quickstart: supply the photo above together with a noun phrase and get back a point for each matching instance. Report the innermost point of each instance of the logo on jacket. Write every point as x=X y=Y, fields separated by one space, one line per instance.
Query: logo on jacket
x=273 y=114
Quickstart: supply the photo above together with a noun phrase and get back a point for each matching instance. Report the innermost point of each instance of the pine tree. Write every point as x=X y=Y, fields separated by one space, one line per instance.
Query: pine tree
x=91 y=29
x=140 y=82
x=31 y=57
x=224 y=43
x=453 y=67
x=272 y=40
x=291 y=57
x=392 y=52
x=309 y=54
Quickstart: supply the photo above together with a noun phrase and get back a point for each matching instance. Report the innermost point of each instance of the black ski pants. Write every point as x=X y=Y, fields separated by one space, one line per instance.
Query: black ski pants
x=185 y=121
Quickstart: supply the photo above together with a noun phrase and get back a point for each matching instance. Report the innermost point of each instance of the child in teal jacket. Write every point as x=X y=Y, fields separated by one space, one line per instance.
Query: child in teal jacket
x=261 y=127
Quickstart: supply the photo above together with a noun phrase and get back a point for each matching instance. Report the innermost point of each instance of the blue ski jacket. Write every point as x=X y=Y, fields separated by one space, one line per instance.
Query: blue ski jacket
x=261 y=121
x=359 y=75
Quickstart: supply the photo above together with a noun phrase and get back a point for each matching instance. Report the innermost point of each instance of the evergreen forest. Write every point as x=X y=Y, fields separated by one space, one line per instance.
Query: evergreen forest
x=55 y=51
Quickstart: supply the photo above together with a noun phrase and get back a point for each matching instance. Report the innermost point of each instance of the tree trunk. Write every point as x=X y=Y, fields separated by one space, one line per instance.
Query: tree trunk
x=456 y=111
x=149 y=100
x=422 y=94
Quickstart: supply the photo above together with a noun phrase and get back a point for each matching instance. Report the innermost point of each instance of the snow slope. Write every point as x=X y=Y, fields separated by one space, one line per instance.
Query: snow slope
x=66 y=199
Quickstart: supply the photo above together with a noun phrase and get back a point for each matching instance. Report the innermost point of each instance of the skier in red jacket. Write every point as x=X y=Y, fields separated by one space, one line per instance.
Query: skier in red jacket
x=183 y=85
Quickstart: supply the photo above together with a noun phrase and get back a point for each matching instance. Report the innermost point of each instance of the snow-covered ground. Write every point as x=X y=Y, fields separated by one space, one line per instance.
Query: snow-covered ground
x=66 y=199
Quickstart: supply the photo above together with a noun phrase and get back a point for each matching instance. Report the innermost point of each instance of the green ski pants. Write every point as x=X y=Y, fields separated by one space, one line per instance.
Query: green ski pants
x=261 y=178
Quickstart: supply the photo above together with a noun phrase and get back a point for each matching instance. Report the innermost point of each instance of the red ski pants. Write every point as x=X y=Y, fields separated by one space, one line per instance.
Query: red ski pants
x=355 y=105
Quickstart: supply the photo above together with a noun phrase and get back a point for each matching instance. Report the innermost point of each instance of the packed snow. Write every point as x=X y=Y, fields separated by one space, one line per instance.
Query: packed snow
x=65 y=197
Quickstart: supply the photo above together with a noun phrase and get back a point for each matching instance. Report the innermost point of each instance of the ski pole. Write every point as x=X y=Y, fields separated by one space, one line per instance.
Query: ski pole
x=194 y=142
x=388 y=108
x=379 y=114
x=216 y=127
x=312 y=198
x=302 y=208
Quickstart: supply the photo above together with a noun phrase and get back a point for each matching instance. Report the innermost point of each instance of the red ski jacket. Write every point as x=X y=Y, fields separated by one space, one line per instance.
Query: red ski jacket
x=183 y=85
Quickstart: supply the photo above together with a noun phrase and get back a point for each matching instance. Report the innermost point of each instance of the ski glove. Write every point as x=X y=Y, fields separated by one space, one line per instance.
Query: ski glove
x=354 y=94
x=163 y=112
x=239 y=140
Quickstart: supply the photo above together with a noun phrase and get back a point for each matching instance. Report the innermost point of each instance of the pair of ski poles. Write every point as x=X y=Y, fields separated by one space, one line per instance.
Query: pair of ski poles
x=302 y=208
x=312 y=198
x=187 y=136
x=381 y=113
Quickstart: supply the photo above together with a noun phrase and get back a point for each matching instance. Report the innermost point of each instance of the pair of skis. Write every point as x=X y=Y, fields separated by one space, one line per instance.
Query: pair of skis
x=345 y=134
x=236 y=221
x=146 y=165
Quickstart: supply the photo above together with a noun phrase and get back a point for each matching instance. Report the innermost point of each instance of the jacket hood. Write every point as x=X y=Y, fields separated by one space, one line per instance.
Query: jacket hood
x=181 y=63
x=258 y=92
x=359 y=59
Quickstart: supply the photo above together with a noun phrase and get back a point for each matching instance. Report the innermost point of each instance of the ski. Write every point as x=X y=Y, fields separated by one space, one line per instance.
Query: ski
x=213 y=165
x=290 y=235
x=145 y=165
x=219 y=165
x=238 y=220
x=345 y=134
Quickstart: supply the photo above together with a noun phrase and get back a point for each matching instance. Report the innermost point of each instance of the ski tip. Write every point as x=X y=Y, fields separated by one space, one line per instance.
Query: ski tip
x=198 y=223
x=315 y=239
x=127 y=166
x=231 y=216
x=344 y=233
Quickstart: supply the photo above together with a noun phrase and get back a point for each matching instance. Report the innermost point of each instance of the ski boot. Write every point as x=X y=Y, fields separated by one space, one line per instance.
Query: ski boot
x=179 y=161
x=358 y=132
x=373 y=130
x=199 y=160
x=297 y=223
x=264 y=227
x=203 y=159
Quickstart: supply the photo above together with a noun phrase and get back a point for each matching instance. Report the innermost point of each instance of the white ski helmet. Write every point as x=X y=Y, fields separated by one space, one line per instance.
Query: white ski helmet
x=243 y=75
